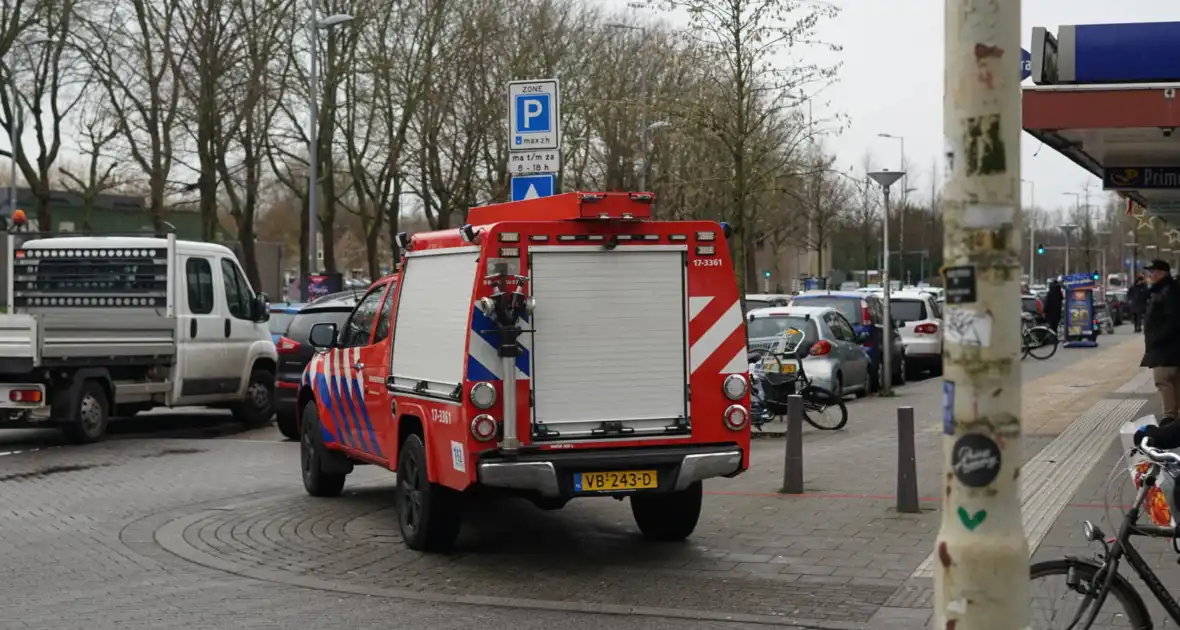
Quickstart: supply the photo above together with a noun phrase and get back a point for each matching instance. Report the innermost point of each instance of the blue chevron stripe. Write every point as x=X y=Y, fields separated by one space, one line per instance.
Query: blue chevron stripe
x=365 y=421
x=483 y=330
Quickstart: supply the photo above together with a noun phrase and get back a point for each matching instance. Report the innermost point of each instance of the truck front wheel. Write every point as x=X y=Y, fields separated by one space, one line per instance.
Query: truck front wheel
x=428 y=514
x=323 y=472
x=88 y=418
x=668 y=516
x=259 y=406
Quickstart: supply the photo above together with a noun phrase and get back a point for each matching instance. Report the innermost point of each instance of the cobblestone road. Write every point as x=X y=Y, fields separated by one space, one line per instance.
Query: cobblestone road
x=216 y=533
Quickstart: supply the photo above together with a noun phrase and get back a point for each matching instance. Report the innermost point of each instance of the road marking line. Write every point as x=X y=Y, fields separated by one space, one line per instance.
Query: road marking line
x=1052 y=476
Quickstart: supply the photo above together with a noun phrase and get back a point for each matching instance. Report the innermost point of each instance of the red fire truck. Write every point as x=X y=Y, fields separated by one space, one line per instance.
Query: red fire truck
x=561 y=347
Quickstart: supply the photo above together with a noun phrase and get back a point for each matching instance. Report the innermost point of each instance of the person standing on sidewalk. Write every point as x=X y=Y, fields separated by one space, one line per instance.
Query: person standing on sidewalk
x=1161 y=336
x=1054 y=303
x=1137 y=295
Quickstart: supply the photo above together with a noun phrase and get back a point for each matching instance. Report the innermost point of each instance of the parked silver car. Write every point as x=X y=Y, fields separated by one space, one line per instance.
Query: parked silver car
x=837 y=361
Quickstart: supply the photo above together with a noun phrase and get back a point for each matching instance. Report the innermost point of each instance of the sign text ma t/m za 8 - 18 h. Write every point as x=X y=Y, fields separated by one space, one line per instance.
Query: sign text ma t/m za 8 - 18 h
x=534 y=115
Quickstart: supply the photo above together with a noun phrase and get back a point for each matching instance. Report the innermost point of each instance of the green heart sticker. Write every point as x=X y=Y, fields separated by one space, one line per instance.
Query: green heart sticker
x=972 y=521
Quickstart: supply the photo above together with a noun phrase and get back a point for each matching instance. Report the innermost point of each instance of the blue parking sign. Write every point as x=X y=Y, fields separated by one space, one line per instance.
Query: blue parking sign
x=533 y=186
x=534 y=113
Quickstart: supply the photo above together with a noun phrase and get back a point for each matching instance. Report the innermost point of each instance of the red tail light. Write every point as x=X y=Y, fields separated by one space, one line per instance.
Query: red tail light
x=926 y=329
x=287 y=345
x=820 y=348
x=866 y=318
x=1040 y=307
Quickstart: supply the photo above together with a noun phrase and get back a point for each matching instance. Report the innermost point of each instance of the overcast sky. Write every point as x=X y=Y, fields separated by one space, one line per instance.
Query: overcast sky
x=892 y=77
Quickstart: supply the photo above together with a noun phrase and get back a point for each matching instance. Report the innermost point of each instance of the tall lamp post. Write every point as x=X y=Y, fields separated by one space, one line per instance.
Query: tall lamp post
x=886 y=179
x=13 y=135
x=313 y=152
x=1068 y=230
x=1032 y=230
x=905 y=181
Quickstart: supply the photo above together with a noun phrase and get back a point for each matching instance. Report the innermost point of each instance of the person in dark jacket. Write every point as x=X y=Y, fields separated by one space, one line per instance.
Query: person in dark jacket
x=1161 y=336
x=1054 y=302
x=1137 y=296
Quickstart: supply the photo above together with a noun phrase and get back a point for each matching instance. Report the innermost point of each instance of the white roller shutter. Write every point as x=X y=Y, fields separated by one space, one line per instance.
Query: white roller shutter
x=430 y=336
x=610 y=342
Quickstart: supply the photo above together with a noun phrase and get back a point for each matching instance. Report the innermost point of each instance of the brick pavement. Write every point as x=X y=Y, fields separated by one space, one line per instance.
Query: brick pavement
x=213 y=533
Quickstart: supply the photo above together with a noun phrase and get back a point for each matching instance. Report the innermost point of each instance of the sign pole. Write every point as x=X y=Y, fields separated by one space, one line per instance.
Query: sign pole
x=981 y=555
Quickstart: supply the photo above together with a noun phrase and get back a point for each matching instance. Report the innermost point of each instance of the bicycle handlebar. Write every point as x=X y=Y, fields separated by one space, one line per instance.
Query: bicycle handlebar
x=1156 y=455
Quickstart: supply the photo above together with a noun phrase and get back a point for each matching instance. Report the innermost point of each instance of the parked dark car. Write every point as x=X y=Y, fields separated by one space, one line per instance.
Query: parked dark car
x=281 y=316
x=1034 y=306
x=295 y=353
x=866 y=313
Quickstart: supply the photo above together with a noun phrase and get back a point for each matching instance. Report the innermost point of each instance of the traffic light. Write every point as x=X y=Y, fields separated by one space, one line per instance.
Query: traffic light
x=766 y=274
x=1040 y=249
x=1096 y=276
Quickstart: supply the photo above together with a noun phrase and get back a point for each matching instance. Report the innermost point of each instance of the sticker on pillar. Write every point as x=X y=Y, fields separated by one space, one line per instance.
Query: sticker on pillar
x=972 y=521
x=458 y=456
x=948 y=407
x=975 y=460
x=966 y=327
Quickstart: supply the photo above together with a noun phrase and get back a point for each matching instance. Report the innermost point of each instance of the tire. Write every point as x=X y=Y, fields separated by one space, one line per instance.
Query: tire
x=1134 y=610
x=816 y=397
x=89 y=415
x=669 y=516
x=288 y=424
x=900 y=377
x=876 y=377
x=428 y=514
x=259 y=406
x=313 y=457
x=1042 y=344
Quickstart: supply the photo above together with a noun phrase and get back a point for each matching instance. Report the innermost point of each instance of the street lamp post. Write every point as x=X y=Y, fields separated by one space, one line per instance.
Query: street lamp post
x=314 y=27
x=1068 y=229
x=886 y=179
x=905 y=180
x=1032 y=230
x=13 y=136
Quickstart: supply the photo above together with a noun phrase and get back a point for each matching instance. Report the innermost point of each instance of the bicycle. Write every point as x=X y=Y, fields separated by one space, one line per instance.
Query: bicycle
x=1035 y=339
x=777 y=375
x=1096 y=580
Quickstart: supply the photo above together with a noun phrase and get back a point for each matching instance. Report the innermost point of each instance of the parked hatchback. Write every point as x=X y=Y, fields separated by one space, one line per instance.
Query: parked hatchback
x=281 y=316
x=919 y=322
x=836 y=361
x=866 y=313
x=295 y=353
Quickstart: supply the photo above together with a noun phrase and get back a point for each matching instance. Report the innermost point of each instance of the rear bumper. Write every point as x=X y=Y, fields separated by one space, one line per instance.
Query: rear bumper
x=551 y=474
x=922 y=349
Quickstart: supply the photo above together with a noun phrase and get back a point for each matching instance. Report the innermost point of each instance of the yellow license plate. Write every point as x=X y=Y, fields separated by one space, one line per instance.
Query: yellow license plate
x=789 y=369
x=616 y=480
x=780 y=368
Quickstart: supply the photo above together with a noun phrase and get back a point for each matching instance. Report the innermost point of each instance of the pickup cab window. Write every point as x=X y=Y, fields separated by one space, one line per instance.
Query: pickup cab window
x=360 y=324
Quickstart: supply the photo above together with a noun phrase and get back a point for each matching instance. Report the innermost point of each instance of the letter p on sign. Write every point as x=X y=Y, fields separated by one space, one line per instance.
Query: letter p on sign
x=532 y=113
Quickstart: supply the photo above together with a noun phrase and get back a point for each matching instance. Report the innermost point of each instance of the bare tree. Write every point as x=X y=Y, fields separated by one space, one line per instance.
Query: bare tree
x=99 y=130
x=52 y=83
x=133 y=51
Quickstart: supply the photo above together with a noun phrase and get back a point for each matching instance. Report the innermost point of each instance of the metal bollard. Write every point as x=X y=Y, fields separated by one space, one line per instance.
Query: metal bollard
x=793 y=465
x=907 y=465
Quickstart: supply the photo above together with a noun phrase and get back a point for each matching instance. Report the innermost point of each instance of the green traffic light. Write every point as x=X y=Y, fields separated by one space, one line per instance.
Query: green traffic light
x=766 y=274
x=1040 y=249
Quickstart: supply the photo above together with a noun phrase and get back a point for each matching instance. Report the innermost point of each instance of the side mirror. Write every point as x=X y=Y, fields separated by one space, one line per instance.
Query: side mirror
x=261 y=308
x=323 y=335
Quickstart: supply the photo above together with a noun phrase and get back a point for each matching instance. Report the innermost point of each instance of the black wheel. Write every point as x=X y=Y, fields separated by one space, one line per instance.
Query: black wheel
x=668 y=516
x=1067 y=603
x=259 y=406
x=428 y=514
x=288 y=424
x=900 y=376
x=320 y=477
x=1042 y=343
x=876 y=376
x=88 y=417
x=822 y=410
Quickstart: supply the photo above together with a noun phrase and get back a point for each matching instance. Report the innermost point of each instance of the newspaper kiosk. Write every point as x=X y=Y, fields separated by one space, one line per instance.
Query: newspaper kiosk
x=1080 y=325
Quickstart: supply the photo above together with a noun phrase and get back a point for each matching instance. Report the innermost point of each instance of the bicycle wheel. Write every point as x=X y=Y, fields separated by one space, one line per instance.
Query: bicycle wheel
x=822 y=410
x=1043 y=343
x=1056 y=609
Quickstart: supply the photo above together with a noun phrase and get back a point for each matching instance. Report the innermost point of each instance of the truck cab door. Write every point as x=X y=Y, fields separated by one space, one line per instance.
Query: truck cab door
x=199 y=334
x=352 y=362
x=375 y=358
x=238 y=330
